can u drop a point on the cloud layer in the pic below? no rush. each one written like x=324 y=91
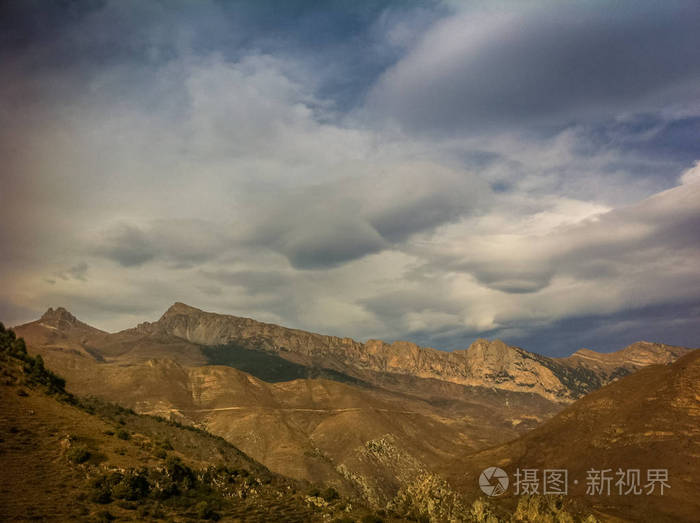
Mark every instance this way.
x=432 y=173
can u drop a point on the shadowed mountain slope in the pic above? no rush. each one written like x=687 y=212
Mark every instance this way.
x=648 y=420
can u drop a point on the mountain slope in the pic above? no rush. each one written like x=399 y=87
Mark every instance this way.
x=328 y=409
x=309 y=429
x=195 y=337
x=485 y=363
x=648 y=420
x=68 y=460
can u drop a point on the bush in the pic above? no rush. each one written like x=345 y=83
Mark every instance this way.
x=101 y=487
x=180 y=473
x=330 y=494
x=132 y=486
x=78 y=454
x=122 y=434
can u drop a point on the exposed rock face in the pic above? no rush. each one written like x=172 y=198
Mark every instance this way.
x=484 y=363
x=62 y=320
x=639 y=354
x=183 y=332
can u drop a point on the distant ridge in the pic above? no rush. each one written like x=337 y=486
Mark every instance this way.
x=486 y=363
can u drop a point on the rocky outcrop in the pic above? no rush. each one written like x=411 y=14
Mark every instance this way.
x=484 y=364
x=62 y=320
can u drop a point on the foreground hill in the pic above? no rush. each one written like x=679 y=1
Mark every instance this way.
x=314 y=429
x=67 y=460
x=648 y=420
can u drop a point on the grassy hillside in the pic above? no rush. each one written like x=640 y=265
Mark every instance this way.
x=68 y=459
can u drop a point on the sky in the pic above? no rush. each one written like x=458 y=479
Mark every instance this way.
x=418 y=170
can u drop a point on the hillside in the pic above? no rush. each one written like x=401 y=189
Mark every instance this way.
x=485 y=363
x=648 y=420
x=66 y=459
x=311 y=428
x=320 y=408
x=194 y=337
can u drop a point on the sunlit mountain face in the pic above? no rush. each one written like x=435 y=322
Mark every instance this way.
x=425 y=171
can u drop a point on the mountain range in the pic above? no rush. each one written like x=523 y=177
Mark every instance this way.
x=376 y=420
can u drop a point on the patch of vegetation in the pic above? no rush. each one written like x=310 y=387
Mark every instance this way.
x=330 y=494
x=268 y=366
x=78 y=454
x=35 y=373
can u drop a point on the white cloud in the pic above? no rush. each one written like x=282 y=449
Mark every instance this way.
x=231 y=184
x=691 y=175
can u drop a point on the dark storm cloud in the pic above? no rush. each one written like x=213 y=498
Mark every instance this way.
x=671 y=323
x=127 y=245
x=330 y=224
x=553 y=65
x=329 y=243
x=180 y=243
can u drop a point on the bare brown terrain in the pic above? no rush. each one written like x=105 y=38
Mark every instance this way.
x=68 y=460
x=648 y=420
x=384 y=422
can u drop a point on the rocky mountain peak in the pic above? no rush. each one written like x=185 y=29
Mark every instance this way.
x=488 y=348
x=59 y=318
x=178 y=308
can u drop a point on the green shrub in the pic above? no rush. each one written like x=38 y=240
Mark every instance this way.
x=180 y=473
x=132 y=486
x=78 y=454
x=122 y=434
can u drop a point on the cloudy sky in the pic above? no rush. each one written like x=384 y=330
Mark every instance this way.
x=431 y=171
